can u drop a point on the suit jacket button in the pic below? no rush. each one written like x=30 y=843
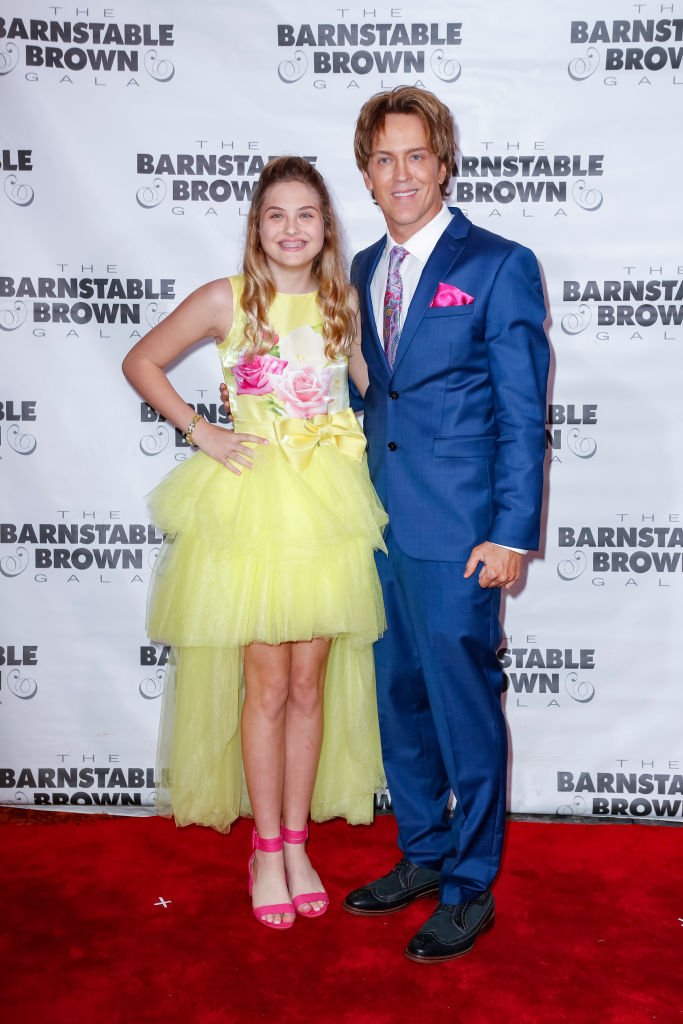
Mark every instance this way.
x=393 y=394
x=392 y=446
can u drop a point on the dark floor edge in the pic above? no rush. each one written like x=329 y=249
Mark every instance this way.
x=11 y=814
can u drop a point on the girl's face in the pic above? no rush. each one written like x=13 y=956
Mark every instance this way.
x=291 y=225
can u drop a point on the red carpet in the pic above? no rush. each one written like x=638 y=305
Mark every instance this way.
x=587 y=930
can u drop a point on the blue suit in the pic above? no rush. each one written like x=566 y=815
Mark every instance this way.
x=456 y=443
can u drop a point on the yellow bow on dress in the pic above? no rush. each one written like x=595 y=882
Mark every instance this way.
x=299 y=438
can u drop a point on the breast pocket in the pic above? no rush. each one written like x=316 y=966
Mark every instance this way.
x=449 y=311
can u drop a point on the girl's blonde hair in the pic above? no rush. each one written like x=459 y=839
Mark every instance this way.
x=328 y=266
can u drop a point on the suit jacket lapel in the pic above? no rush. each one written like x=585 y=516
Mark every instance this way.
x=375 y=348
x=446 y=251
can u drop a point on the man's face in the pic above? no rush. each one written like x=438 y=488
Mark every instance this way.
x=405 y=175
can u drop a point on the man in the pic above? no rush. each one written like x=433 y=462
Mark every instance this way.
x=452 y=324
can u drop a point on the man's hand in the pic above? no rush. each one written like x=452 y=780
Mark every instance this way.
x=501 y=566
x=225 y=399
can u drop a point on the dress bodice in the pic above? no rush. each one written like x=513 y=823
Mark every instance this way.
x=295 y=379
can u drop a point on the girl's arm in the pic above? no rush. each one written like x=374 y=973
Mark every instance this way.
x=357 y=365
x=207 y=312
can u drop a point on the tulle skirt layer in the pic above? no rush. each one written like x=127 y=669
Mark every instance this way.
x=274 y=555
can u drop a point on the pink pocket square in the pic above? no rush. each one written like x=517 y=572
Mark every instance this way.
x=449 y=295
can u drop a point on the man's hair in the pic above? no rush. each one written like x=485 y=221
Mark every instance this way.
x=406 y=99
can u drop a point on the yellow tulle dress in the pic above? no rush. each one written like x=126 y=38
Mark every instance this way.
x=283 y=552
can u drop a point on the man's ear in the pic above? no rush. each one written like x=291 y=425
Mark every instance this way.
x=368 y=184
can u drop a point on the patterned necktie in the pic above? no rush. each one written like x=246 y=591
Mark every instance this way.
x=393 y=297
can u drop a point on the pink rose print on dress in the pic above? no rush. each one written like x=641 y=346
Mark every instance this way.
x=256 y=376
x=304 y=392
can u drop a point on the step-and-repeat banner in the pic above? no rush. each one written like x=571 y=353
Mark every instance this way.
x=131 y=138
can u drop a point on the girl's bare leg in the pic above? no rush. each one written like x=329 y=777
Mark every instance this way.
x=264 y=720
x=304 y=732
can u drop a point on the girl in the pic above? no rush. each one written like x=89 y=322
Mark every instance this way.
x=266 y=586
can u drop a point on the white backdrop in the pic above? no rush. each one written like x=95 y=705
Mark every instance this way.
x=131 y=137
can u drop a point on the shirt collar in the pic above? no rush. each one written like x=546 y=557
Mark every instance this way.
x=421 y=244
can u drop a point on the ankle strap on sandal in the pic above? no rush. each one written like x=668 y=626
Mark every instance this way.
x=295 y=835
x=266 y=845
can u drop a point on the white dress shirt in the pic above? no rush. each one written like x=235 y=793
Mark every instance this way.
x=420 y=247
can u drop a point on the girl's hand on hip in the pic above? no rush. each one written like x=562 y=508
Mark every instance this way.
x=226 y=446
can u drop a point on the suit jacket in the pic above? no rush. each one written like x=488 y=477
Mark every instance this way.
x=456 y=429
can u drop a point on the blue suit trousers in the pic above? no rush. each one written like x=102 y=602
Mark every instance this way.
x=439 y=686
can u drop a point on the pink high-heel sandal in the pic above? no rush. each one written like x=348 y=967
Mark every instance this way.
x=294 y=835
x=268 y=846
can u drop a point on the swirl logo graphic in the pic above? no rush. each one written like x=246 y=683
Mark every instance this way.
x=22 y=444
x=579 y=690
x=18 y=192
x=582 y=68
x=587 y=197
x=151 y=688
x=572 y=568
x=23 y=688
x=152 y=556
x=154 y=314
x=576 y=322
x=445 y=68
x=293 y=68
x=149 y=196
x=577 y=806
x=154 y=444
x=14 y=565
x=161 y=69
x=12 y=315
x=581 y=446
x=9 y=58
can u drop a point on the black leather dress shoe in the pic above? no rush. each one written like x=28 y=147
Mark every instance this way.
x=404 y=883
x=452 y=930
